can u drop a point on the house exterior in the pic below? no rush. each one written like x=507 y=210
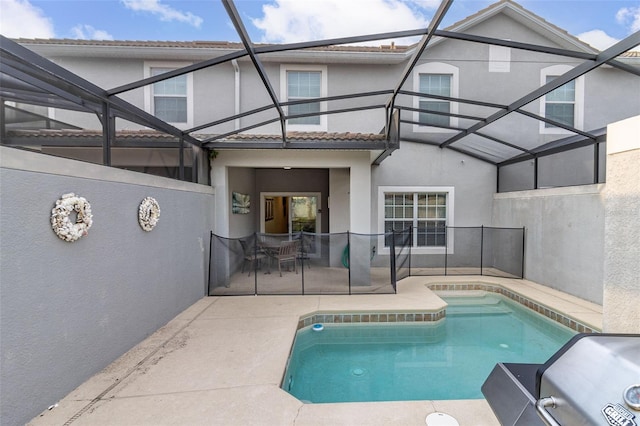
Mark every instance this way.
x=363 y=175
x=351 y=185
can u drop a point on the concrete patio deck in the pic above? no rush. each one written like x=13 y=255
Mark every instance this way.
x=221 y=362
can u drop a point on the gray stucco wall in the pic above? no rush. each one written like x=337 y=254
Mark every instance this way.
x=69 y=309
x=621 y=305
x=425 y=165
x=564 y=240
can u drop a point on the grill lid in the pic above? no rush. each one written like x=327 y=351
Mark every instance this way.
x=593 y=378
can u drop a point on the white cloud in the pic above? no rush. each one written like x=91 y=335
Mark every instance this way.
x=165 y=12
x=87 y=32
x=598 y=39
x=629 y=16
x=19 y=18
x=290 y=21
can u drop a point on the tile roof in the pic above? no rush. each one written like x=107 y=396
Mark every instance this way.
x=311 y=136
x=78 y=134
x=151 y=134
x=198 y=44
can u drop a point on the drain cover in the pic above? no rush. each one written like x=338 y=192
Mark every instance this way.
x=441 y=419
x=358 y=371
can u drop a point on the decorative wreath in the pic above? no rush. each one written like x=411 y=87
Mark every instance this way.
x=148 y=213
x=61 y=221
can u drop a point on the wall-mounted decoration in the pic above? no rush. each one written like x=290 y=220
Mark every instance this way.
x=148 y=213
x=268 y=209
x=68 y=228
x=240 y=203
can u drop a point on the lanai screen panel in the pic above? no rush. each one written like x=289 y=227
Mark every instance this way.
x=575 y=167
x=486 y=148
x=517 y=177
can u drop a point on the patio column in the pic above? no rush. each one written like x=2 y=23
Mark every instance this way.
x=621 y=301
x=360 y=223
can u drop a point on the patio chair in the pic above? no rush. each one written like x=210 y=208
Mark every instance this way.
x=251 y=255
x=303 y=254
x=288 y=252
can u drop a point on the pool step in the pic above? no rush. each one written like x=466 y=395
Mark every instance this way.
x=473 y=305
x=475 y=310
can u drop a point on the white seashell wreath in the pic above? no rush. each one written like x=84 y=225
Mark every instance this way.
x=61 y=217
x=148 y=213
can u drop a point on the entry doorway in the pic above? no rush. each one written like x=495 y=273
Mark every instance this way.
x=290 y=212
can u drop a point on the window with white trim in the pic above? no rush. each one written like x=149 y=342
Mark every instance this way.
x=302 y=82
x=564 y=104
x=440 y=79
x=429 y=210
x=435 y=84
x=561 y=103
x=170 y=100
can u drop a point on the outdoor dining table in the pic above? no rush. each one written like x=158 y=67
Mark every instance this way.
x=271 y=249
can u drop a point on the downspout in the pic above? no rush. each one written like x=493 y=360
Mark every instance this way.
x=236 y=71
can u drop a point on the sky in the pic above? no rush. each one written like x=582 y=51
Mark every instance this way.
x=600 y=23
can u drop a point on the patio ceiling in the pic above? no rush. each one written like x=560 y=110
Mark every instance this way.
x=30 y=78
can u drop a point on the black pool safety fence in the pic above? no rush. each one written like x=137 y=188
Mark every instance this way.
x=479 y=250
x=349 y=263
x=308 y=263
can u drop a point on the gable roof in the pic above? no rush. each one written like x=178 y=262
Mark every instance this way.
x=526 y=18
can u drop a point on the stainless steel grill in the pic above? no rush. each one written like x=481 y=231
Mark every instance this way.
x=594 y=379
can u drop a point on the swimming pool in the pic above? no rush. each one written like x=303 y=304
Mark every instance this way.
x=448 y=359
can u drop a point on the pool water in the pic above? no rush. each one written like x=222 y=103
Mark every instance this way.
x=449 y=359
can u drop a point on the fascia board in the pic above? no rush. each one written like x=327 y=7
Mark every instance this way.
x=324 y=57
x=200 y=54
x=524 y=17
x=125 y=52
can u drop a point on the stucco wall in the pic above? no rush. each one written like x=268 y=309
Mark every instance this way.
x=424 y=165
x=621 y=313
x=69 y=309
x=564 y=240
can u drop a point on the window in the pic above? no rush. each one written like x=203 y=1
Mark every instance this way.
x=304 y=85
x=170 y=100
x=435 y=84
x=170 y=97
x=304 y=82
x=429 y=210
x=564 y=104
x=560 y=104
x=439 y=79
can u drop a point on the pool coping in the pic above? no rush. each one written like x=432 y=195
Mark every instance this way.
x=525 y=301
